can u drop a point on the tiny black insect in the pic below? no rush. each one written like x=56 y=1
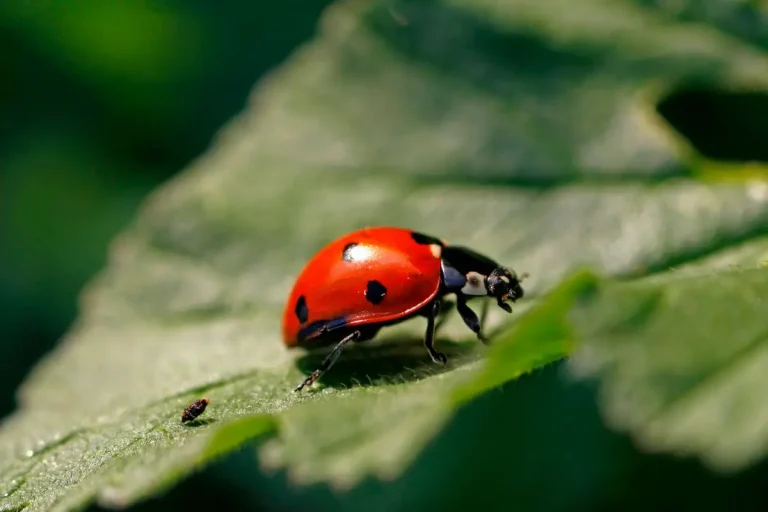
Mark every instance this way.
x=194 y=410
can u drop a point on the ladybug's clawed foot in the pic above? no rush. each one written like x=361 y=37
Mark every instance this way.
x=329 y=360
x=438 y=357
x=309 y=380
x=483 y=338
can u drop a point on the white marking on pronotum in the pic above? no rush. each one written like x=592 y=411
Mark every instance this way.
x=505 y=279
x=475 y=284
x=437 y=251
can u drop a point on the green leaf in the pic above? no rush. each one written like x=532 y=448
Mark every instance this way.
x=681 y=357
x=490 y=126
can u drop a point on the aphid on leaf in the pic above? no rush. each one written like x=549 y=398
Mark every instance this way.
x=194 y=410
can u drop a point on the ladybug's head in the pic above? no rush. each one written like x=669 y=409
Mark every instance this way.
x=504 y=285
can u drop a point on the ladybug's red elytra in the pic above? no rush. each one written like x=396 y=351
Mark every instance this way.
x=380 y=276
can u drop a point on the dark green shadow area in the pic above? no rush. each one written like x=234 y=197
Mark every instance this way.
x=727 y=126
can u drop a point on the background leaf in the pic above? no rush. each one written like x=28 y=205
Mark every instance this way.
x=681 y=358
x=387 y=117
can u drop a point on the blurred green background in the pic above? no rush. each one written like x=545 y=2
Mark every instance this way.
x=102 y=100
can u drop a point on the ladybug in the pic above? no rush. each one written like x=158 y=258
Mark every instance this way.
x=380 y=276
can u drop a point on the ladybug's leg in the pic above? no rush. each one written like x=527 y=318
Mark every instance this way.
x=445 y=308
x=329 y=360
x=429 y=339
x=484 y=316
x=470 y=318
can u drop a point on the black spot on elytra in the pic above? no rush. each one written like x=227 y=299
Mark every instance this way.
x=302 y=311
x=375 y=292
x=346 y=255
x=422 y=239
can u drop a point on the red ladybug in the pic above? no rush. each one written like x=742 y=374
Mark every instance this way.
x=380 y=276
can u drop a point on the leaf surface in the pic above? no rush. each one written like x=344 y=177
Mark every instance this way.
x=682 y=356
x=525 y=131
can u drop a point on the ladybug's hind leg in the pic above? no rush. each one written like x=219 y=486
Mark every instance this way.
x=329 y=360
x=429 y=339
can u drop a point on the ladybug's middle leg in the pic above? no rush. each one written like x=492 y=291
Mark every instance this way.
x=329 y=360
x=429 y=339
x=445 y=308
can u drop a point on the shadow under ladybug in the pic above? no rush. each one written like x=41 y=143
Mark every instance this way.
x=391 y=359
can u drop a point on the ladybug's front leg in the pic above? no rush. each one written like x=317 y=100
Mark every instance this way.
x=470 y=318
x=329 y=360
x=483 y=317
x=429 y=339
